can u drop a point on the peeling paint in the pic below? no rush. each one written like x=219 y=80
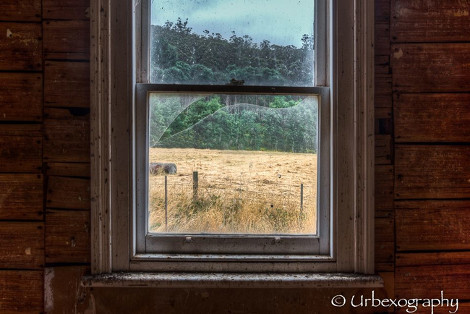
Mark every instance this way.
x=9 y=33
x=398 y=54
x=48 y=290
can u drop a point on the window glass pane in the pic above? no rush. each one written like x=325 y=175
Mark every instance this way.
x=232 y=163
x=251 y=42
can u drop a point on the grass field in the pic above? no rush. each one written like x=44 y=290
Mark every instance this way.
x=239 y=192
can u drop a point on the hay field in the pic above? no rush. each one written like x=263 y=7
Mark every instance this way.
x=238 y=192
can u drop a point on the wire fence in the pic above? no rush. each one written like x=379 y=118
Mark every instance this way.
x=174 y=192
x=197 y=186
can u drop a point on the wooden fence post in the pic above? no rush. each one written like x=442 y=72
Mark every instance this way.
x=166 y=204
x=195 y=185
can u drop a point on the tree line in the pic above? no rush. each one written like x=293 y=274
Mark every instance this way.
x=180 y=56
x=239 y=122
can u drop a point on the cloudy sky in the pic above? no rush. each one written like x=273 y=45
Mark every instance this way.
x=282 y=22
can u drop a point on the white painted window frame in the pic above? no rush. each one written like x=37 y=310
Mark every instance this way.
x=229 y=247
x=113 y=94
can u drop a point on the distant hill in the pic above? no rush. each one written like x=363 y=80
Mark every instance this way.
x=180 y=56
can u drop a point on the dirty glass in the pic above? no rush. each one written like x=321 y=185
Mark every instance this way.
x=251 y=42
x=226 y=163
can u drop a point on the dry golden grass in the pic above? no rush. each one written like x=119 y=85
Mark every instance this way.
x=239 y=192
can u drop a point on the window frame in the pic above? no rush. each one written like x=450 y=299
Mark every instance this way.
x=113 y=79
x=229 y=246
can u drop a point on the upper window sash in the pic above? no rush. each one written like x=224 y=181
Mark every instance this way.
x=145 y=242
x=321 y=44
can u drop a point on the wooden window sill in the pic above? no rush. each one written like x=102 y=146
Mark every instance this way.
x=232 y=280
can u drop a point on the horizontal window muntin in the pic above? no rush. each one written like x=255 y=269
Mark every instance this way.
x=234 y=89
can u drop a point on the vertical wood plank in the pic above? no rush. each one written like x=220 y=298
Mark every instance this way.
x=430 y=21
x=432 y=171
x=20 y=97
x=383 y=149
x=24 y=10
x=382 y=39
x=382 y=11
x=432 y=258
x=20 y=148
x=431 y=68
x=66 y=9
x=20 y=47
x=428 y=281
x=382 y=66
x=67 y=40
x=67 y=135
x=22 y=245
x=68 y=169
x=384 y=190
x=21 y=196
x=384 y=244
x=21 y=291
x=67 y=236
x=433 y=225
x=383 y=92
x=68 y=193
x=432 y=118
x=67 y=84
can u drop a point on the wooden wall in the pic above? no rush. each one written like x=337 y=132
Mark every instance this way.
x=422 y=108
x=430 y=64
x=44 y=153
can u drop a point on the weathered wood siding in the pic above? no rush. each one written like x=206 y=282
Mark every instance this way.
x=21 y=179
x=430 y=21
x=14 y=89
x=432 y=117
x=430 y=56
x=44 y=155
x=21 y=148
x=20 y=45
x=422 y=110
x=21 y=196
x=67 y=84
x=22 y=291
x=384 y=169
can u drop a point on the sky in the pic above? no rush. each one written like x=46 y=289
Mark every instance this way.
x=282 y=22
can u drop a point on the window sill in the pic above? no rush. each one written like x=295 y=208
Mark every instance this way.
x=232 y=280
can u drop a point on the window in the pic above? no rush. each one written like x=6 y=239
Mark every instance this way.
x=237 y=122
x=186 y=120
